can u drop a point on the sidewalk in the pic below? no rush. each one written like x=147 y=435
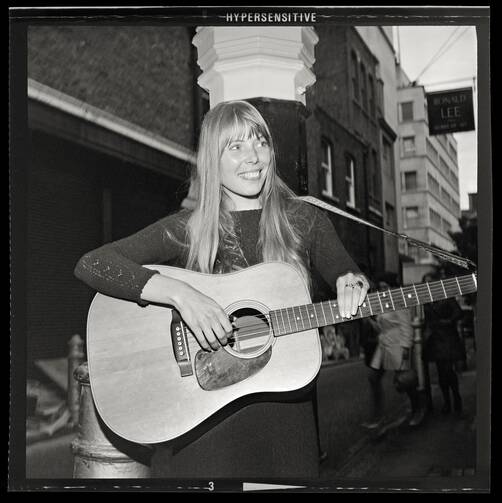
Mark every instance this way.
x=442 y=446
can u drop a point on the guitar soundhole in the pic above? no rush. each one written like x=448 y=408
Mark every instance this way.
x=252 y=332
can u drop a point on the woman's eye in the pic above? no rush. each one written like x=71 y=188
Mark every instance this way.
x=234 y=147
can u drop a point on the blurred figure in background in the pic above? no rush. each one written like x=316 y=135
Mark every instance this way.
x=392 y=352
x=333 y=344
x=442 y=345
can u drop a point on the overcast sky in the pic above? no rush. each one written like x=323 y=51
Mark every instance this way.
x=451 y=53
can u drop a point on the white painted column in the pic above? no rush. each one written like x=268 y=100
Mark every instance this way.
x=255 y=62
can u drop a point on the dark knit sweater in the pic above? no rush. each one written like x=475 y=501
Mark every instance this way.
x=259 y=436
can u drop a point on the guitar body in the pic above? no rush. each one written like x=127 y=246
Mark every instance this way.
x=136 y=382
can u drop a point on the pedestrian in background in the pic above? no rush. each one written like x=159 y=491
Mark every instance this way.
x=392 y=352
x=442 y=345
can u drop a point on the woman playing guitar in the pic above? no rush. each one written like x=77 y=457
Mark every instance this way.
x=244 y=215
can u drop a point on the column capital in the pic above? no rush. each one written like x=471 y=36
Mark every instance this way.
x=255 y=62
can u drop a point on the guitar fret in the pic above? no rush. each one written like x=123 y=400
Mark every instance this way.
x=429 y=288
x=296 y=319
x=275 y=322
x=333 y=316
x=381 y=306
x=404 y=299
x=458 y=284
x=369 y=304
x=324 y=314
x=282 y=318
x=306 y=316
x=445 y=295
x=392 y=300
x=315 y=313
x=416 y=295
x=300 y=317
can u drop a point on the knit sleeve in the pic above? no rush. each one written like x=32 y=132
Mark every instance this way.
x=116 y=268
x=328 y=254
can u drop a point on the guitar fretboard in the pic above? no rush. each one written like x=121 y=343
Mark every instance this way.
x=294 y=319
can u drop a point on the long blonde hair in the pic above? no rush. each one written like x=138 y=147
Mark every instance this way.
x=211 y=227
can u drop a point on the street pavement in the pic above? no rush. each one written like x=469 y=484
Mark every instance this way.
x=443 y=446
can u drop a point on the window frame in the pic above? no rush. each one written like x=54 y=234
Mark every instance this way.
x=350 y=196
x=327 y=169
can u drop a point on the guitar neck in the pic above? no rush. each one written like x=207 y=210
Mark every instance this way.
x=299 y=318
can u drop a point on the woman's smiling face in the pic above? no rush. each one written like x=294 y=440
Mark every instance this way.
x=244 y=165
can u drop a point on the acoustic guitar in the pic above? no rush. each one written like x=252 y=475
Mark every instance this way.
x=151 y=382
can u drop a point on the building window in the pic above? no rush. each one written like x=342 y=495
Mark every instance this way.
x=410 y=181
x=372 y=95
x=387 y=157
x=411 y=216
x=407 y=111
x=390 y=216
x=355 y=77
x=446 y=226
x=408 y=144
x=431 y=151
x=445 y=197
x=350 y=182
x=443 y=167
x=326 y=168
x=435 y=219
x=374 y=190
x=433 y=185
x=364 y=87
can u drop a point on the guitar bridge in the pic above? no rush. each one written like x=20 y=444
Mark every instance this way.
x=180 y=345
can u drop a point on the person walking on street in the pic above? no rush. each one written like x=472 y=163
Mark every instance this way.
x=393 y=352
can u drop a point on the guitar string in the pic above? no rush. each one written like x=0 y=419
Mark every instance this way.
x=439 y=289
x=435 y=289
x=266 y=332
x=265 y=318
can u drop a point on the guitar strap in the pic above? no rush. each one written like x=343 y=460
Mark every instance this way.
x=450 y=257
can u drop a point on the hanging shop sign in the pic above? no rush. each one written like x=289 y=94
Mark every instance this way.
x=450 y=111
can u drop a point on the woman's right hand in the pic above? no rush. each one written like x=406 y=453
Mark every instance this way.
x=205 y=318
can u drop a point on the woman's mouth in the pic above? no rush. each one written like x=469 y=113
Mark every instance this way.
x=251 y=175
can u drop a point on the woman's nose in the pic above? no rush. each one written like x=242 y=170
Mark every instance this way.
x=252 y=155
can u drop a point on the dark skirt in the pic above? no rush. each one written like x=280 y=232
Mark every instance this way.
x=253 y=440
x=445 y=345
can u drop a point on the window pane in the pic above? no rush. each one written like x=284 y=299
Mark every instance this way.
x=355 y=80
x=410 y=180
x=327 y=174
x=409 y=143
x=350 y=182
x=407 y=111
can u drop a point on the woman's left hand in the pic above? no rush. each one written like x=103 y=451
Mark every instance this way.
x=351 y=290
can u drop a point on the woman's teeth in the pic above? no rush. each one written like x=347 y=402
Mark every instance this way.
x=250 y=175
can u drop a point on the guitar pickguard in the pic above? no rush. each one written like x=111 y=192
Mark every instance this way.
x=218 y=369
